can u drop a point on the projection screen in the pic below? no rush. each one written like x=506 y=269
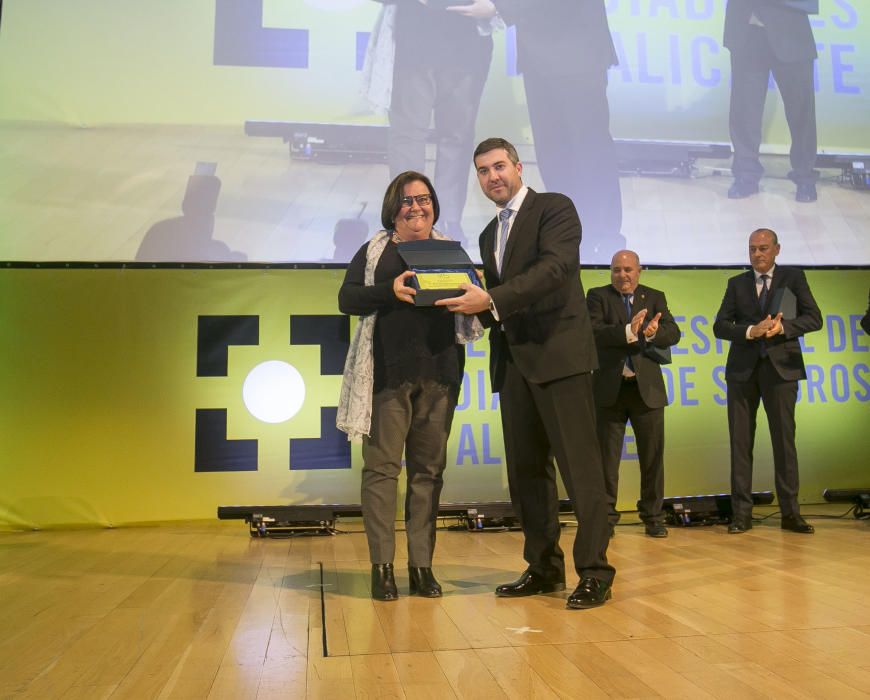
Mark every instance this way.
x=259 y=131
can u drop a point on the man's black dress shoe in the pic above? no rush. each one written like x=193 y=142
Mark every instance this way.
x=423 y=583
x=529 y=583
x=806 y=192
x=655 y=530
x=384 y=582
x=796 y=523
x=741 y=189
x=590 y=593
x=739 y=525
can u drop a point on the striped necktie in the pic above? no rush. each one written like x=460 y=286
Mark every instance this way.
x=504 y=216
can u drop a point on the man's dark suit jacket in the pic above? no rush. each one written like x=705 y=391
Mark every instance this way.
x=542 y=310
x=865 y=321
x=788 y=30
x=609 y=318
x=554 y=32
x=740 y=309
x=427 y=35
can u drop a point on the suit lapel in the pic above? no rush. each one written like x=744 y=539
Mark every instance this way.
x=516 y=230
x=779 y=279
x=487 y=253
x=751 y=290
x=618 y=305
x=640 y=300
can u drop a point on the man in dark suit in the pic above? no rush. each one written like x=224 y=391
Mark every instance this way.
x=564 y=50
x=542 y=353
x=764 y=37
x=765 y=363
x=632 y=326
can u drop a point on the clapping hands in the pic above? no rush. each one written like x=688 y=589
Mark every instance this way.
x=767 y=327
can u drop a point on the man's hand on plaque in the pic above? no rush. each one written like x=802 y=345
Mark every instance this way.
x=402 y=292
x=473 y=301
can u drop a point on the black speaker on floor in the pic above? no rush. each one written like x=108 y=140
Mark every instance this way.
x=712 y=509
x=480 y=516
x=266 y=521
x=860 y=498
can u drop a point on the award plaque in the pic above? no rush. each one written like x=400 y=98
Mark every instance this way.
x=440 y=267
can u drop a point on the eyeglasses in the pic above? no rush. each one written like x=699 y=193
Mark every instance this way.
x=421 y=199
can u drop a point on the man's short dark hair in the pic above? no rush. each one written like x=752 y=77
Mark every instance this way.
x=396 y=190
x=492 y=144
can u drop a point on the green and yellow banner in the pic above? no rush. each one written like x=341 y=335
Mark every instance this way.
x=133 y=395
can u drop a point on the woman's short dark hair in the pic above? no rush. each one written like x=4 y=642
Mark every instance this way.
x=396 y=190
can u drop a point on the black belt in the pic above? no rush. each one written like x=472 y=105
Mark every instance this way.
x=629 y=379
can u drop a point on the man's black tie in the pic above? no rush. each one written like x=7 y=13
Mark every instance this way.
x=762 y=297
x=762 y=302
x=626 y=298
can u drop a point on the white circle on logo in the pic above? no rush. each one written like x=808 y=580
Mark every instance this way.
x=273 y=391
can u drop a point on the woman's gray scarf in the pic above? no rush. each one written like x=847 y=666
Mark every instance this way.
x=355 y=405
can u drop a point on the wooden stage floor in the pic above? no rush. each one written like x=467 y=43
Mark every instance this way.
x=202 y=610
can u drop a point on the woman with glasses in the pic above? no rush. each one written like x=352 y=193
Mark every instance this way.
x=401 y=383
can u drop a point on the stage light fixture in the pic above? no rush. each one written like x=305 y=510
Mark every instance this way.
x=860 y=498
x=480 y=517
x=265 y=521
x=489 y=516
x=711 y=509
x=854 y=168
x=665 y=158
x=338 y=143
x=327 y=143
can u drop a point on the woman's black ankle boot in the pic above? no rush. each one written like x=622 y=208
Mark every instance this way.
x=423 y=583
x=384 y=582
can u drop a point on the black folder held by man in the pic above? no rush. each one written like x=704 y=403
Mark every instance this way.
x=783 y=301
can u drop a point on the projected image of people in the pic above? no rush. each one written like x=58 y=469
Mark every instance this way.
x=764 y=37
x=440 y=65
x=564 y=50
x=190 y=237
x=631 y=108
